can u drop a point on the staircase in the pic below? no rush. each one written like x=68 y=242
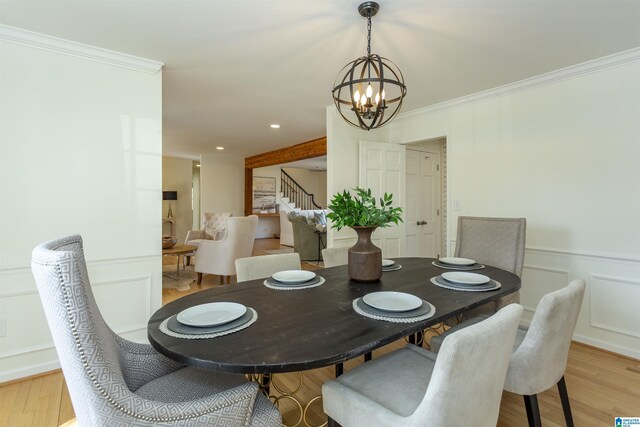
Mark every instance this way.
x=294 y=194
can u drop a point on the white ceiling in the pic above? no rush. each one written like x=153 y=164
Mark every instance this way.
x=232 y=67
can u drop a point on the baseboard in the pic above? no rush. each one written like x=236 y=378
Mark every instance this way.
x=608 y=347
x=29 y=371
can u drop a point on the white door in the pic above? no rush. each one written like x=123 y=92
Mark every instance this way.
x=382 y=169
x=423 y=201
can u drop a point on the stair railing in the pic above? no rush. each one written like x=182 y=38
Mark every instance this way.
x=296 y=194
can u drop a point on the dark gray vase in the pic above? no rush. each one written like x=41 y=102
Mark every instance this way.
x=365 y=258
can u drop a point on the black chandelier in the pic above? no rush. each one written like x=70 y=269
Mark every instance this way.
x=360 y=79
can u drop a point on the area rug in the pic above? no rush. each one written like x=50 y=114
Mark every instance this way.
x=183 y=282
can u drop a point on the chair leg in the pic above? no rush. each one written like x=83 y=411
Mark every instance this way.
x=368 y=356
x=339 y=369
x=564 y=398
x=199 y=278
x=533 y=411
x=332 y=423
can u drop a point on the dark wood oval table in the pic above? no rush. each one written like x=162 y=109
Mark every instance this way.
x=311 y=328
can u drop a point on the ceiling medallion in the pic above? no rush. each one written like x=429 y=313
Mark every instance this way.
x=354 y=88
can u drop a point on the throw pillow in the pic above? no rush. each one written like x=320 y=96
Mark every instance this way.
x=320 y=218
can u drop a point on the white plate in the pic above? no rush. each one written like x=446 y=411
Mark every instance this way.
x=392 y=301
x=212 y=314
x=456 y=261
x=294 y=276
x=466 y=278
x=387 y=262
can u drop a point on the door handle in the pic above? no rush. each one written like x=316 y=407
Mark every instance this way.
x=421 y=223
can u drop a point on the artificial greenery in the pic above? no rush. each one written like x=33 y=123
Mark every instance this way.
x=361 y=210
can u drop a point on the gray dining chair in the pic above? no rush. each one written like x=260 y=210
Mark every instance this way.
x=411 y=387
x=498 y=242
x=259 y=267
x=113 y=381
x=540 y=352
x=334 y=257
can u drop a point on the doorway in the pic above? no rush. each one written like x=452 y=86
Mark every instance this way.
x=425 y=198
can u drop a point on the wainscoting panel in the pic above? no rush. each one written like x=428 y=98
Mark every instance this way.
x=615 y=305
x=127 y=291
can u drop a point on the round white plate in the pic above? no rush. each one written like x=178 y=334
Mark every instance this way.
x=387 y=262
x=392 y=301
x=212 y=314
x=294 y=276
x=465 y=278
x=456 y=261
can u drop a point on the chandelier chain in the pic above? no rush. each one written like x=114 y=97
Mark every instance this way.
x=369 y=35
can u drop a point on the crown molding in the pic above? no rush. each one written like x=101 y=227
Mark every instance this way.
x=79 y=50
x=572 y=71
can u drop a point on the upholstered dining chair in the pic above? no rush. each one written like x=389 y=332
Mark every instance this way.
x=411 y=387
x=113 y=381
x=540 y=352
x=219 y=256
x=259 y=267
x=334 y=257
x=498 y=242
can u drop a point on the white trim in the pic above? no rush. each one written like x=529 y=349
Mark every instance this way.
x=548 y=269
x=28 y=371
x=626 y=351
x=108 y=261
x=592 y=307
x=79 y=50
x=540 y=80
x=614 y=257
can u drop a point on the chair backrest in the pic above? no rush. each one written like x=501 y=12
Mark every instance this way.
x=214 y=223
x=259 y=267
x=498 y=242
x=219 y=256
x=540 y=360
x=86 y=346
x=468 y=376
x=333 y=257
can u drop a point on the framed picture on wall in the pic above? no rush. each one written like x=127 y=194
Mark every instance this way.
x=264 y=193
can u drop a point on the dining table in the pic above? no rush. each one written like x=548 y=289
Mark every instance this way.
x=302 y=329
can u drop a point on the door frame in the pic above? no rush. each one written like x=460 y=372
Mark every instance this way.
x=446 y=172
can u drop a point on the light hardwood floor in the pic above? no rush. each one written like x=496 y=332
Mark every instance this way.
x=601 y=386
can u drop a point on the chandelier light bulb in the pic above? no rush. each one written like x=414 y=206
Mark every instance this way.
x=383 y=94
x=377 y=98
x=356 y=96
x=363 y=100
x=369 y=91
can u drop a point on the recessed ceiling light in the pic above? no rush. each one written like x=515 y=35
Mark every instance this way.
x=219 y=147
x=275 y=126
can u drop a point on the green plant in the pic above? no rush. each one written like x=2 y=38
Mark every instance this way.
x=361 y=210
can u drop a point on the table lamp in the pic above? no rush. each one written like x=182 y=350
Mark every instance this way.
x=170 y=195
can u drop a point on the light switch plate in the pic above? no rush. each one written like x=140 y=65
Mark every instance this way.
x=457 y=205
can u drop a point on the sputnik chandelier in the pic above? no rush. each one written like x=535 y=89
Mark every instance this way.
x=354 y=88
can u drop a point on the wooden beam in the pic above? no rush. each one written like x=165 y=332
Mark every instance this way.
x=305 y=150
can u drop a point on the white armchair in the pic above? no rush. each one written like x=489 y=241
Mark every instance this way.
x=219 y=256
x=213 y=228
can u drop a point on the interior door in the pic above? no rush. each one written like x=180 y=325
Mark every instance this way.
x=423 y=201
x=382 y=169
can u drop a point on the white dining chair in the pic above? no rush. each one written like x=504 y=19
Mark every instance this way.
x=259 y=267
x=116 y=382
x=219 y=256
x=334 y=257
x=540 y=352
x=411 y=387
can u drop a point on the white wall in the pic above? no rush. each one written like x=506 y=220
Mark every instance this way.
x=80 y=152
x=562 y=150
x=177 y=175
x=222 y=183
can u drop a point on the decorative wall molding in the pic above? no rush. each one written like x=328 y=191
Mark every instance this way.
x=104 y=261
x=28 y=371
x=593 y=308
x=79 y=50
x=588 y=254
x=532 y=82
